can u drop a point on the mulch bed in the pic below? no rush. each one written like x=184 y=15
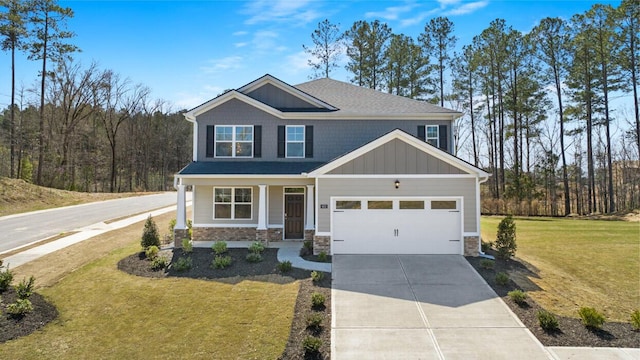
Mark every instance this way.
x=571 y=332
x=241 y=269
x=15 y=327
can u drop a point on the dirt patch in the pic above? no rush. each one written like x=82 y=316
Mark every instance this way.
x=15 y=327
x=265 y=270
x=570 y=332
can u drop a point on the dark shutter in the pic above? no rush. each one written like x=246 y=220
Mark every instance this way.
x=308 y=141
x=443 y=134
x=281 y=141
x=257 y=141
x=210 y=144
x=422 y=135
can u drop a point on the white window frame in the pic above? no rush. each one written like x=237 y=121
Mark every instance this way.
x=427 y=138
x=233 y=203
x=233 y=140
x=287 y=142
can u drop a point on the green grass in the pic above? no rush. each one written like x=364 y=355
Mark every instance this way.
x=578 y=263
x=107 y=314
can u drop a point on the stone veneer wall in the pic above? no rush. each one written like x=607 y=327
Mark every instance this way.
x=237 y=234
x=178 y=235
x=471 y=245
x=308 y=234
x=321 y=243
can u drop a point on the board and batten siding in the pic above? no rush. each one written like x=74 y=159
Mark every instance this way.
x=396 y=157
x=359 y=187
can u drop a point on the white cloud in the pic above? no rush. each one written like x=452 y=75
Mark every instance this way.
x=240 y=33
x=467 y=8
x=240 y=44
x=215 y=66
x=418 y=18
x=391 y=13
x=296 y=63
x=265 y=40
x=271 y=11
x=445 y=3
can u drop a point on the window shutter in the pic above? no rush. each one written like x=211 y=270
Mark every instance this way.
x=281 y=140
x=257 y=141
x=210 y=142
x=308 y=141
x=422 y=135
x=443 y=134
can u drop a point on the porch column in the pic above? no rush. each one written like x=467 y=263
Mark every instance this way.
x=310 y=208
x=181 y=216
x=262 y=208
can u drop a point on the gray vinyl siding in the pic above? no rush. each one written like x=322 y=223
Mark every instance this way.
x=279 y=99
x=332 y=138
x=464 y=187
x=396 y=157
x=275 y=205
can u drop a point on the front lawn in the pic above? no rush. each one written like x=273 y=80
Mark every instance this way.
x=576 y=263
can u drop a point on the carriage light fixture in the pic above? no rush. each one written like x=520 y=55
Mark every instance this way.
x=397 y=184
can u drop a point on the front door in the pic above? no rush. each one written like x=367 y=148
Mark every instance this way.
x=294 y=216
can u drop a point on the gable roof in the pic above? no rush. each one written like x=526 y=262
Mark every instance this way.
x=407 y=138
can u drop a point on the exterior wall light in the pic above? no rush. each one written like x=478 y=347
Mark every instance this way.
x=397 y=184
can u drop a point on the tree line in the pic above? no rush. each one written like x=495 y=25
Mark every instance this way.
x=90 y=129
x=536 y=105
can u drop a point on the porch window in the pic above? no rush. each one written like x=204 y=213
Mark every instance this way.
x=432 y=135
x=295 y=141
x=232 y=203
x=234 y=141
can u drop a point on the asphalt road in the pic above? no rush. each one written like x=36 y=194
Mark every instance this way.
x=22 y=229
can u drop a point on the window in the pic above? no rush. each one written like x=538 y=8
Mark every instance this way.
x=379 y=205
x=232 y=203
x=411 y=205
x=234 y=141
x=443 y=205
x=295 y=141
x=348 y=205
x=432 y=135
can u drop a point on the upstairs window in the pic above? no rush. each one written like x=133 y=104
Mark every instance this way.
x=234 y=141
x=432 y=135
x=295 y=141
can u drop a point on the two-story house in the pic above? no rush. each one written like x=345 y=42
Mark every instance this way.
x=353 y=169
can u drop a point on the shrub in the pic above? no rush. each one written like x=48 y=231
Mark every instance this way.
x=25 y=288
x=284 y=266
x=506 y=238
x=6 y=277
x=159 y=263
x=256 y=247
x=20 y=307
x=307 y=248
x=485 y=246
x=254 y=257
x=221 y=262
x=519 y=296
x=219 y=247
x=548 y=321
x=152 y=252
x=187 y=246
x=1 y=263
x=314 y=320
x=487 y=264
x=502 y=279
x=150 y=235
x=172 y=225
x=323 y=256
x=317 y=276
x=635 y=319
x=311 y=344
x=317 y=300
x=183 y=263
x=591 y=318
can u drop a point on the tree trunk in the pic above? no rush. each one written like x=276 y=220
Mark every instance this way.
x=44 y=76
x=12 y=126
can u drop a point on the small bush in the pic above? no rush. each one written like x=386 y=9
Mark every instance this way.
x=518 y=296
x=591 y=318
x=635 y=319
x=487 y=264
x=307 y=248
x=159 y=263
x=221 y=262
x=183 y=264
x=150 y=236
x=152 y=252
x=256 y=247
x=323 y=256
x=25 y=288
x=485 y=246
x=254 y=257
x=187 y=246
x=314 y=320
x=502 y=279
x=547 y=320
x=506 y=238
x=317 y=300
x=6 y=277
x=219 y=247
x=1 y=262
x=311 y=344
x=20 y=307
x=317 y=276
x=285 y=266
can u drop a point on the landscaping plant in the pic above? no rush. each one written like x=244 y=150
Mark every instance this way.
x=591 y=317
x=221 y=262
x=487 y=263
x=506 y=238
x=150 y=236
x=317 y=276
x=317 y=300
x=20 y=307
x=548 y=321
x=187 y=246
x=254 y=257
x=25 y=288
x=311 y=345
x=159 y=263
x=152 y=252
x=285 y=266
x=518 y=296
x=323 y=256
x=6 y=276
x=635 y=320
x=183 y=264
x=219 y=247
x=314 y=320
x=256 y=248
x=502 y=278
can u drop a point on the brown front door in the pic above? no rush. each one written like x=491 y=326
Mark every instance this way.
x=294 y=216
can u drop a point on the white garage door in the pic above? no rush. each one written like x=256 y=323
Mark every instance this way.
x=396 y=226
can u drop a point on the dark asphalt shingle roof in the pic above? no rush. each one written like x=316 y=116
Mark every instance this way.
x=250 y=167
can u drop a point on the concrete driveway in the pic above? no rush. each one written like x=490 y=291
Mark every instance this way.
x=421 y=307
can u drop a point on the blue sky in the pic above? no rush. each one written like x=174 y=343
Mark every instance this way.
x=189 y=51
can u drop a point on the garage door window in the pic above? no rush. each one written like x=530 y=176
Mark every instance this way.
x=411 y=205
x=443 y=205
x=348 y=205
x=379 y=205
